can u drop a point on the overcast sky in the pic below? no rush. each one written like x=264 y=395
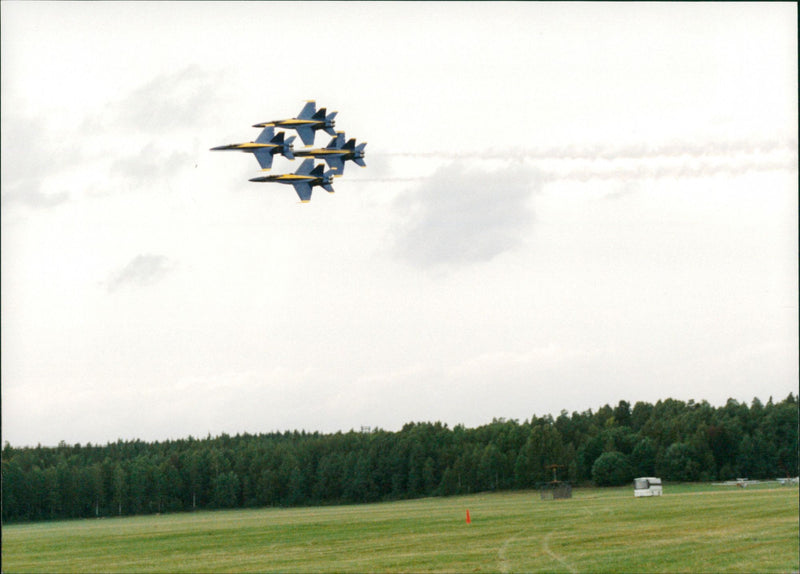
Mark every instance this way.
x=566 y=205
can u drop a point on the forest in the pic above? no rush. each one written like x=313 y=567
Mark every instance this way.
x=673 y=439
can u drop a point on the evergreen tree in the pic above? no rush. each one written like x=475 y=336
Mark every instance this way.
x=673 y=439
x=611 y=469
x=678 y=463
x=643 y=457
x=226 y=490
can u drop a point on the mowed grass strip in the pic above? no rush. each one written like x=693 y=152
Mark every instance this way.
x=692 y=528
x=724 y=530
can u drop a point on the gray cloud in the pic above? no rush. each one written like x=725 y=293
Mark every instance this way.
x=175 y=100
x=183 y=99
x=31 y=196
x=25 y=144
x=151 y=165
x=141 y=271
x=162 y=118
x=171 y=100
x=31 y=152
x=463 y=215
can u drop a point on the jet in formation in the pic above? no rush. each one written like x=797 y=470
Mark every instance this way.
x=337 y=152
x=309 y=175
x=267 y=144
x=306 y=123
x=304 y=179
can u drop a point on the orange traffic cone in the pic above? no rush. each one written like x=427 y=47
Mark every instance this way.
x=468 y=519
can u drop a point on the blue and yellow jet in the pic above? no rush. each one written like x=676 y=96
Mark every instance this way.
x=307 y=123
x=337 y=152
x=304 y=179
x=267 y=144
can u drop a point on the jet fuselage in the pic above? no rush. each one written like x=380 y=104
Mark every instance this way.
x=246 y=147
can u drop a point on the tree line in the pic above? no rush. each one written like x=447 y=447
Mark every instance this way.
x=673 y=439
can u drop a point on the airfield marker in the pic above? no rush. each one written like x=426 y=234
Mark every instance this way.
x=468 y=518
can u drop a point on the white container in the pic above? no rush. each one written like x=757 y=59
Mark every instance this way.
x=647 y=486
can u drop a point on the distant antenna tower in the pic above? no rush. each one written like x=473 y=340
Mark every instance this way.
x=556 y=488
x=554 y=468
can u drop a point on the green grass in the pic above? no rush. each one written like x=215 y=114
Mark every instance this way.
x=692 y=528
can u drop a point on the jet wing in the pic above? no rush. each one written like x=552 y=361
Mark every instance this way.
x=266 y=135
x=337 y=142
x=306 y=167
x=308 y=110
x=336 y=164
x=303 y=190
x=306 y=134
x=264 y=157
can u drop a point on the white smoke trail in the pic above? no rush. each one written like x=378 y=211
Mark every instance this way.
x=604 y=152
x=678 y=171
x=640 y=161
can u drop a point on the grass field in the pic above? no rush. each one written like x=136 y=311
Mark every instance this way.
x=692 y=528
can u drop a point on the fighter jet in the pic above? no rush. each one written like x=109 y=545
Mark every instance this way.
x=304 y=179
x=307 y=123
x=267 y=144
x=337 y=152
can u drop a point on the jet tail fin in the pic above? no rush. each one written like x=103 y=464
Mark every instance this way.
x=327 y=179
x=358 y=154
x=286 y=150
x=330 y=122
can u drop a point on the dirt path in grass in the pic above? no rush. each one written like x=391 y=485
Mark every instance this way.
x=555 y=556
x=503 y=563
